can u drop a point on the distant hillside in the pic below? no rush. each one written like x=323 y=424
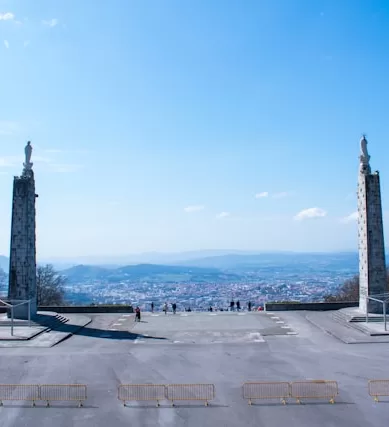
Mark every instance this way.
x=234 y=262
x=85 y=272
x=146 y=272
x=146 y=269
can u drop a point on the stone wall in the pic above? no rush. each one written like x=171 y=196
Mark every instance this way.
x=313 y=306
x=22 y=272
x=90 y=309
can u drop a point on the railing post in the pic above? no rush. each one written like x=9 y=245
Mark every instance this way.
x=385 y=315
x=12 y=321
x=367 y=309
x=29 y=313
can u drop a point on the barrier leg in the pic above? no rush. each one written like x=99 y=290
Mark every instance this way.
x=298 y=401
x=47 y=404
x=124 y=403
x=1 y=403
x=158 y=405
x=376 y=399
x=80 y=404
x=332 y=400
x=172 y=403
x=250 y=402
x=206 y=403
x=283 y=401
x=33 y=404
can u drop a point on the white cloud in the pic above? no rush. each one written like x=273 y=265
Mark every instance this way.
x=310 y=213
x=51 y=22
x=223 y=215
x=6 y=44
x=8 y=16
x=261 y=195
x=194 y=208
x=350 y=218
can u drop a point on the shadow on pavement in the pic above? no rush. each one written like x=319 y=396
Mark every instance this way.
x=98 y=333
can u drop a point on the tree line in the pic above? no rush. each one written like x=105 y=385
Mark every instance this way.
x=349 y=291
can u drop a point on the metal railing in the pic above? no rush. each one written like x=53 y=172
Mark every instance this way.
x=44 y=392
x=63 y=392
x=314 y=389
x=266 y=390
x=282 y=390
x=19 y=392
x=378 y=388
x=141 y=392
x=11 y=304
x=171 y=392
x=203 y=392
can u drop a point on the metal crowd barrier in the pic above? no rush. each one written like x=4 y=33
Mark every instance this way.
x=266 y=390
x=141 y=392
x=378 y=388
x=172 y=392
x=24 y=392
x=204 y=392
x=46 y=392
x=314 y=389
x=63 y=392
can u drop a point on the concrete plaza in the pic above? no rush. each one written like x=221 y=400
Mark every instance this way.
x=226 y=349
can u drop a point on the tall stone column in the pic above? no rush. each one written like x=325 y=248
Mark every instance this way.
x=22 y=266
x=372 y=267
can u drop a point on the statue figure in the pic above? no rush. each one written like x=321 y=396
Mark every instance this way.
x=28 y=151
x=364 y=157
x=364 y=152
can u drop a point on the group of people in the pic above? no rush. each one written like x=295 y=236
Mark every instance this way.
x=165 y=308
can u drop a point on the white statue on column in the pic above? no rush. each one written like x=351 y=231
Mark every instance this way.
x=28 y=151
x=364 y=157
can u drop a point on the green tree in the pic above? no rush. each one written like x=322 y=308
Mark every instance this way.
x=50 y=286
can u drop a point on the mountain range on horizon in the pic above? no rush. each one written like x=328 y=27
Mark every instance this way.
x=217 y=259
x=178 y=263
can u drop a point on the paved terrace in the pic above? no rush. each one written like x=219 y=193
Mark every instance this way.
x=223 y=348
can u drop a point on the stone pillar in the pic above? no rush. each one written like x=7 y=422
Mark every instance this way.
x=22 y=266
x=372 y=266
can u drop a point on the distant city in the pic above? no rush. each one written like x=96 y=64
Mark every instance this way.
x=211 y=281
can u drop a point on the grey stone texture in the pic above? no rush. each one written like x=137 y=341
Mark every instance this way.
x=372 y=268
x=22 y=271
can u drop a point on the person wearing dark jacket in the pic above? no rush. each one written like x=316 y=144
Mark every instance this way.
x=137 y=314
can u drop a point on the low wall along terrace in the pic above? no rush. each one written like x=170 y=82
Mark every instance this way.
x=89 y=309
x=313 y=306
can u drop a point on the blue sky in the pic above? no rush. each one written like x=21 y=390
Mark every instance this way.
x=156 y=125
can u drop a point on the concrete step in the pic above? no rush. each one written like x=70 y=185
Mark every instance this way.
x=342 y=317
x=48 y=321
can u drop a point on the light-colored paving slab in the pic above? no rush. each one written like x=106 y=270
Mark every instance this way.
x=20 y=332
x=53 y=336
x=104 y=363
